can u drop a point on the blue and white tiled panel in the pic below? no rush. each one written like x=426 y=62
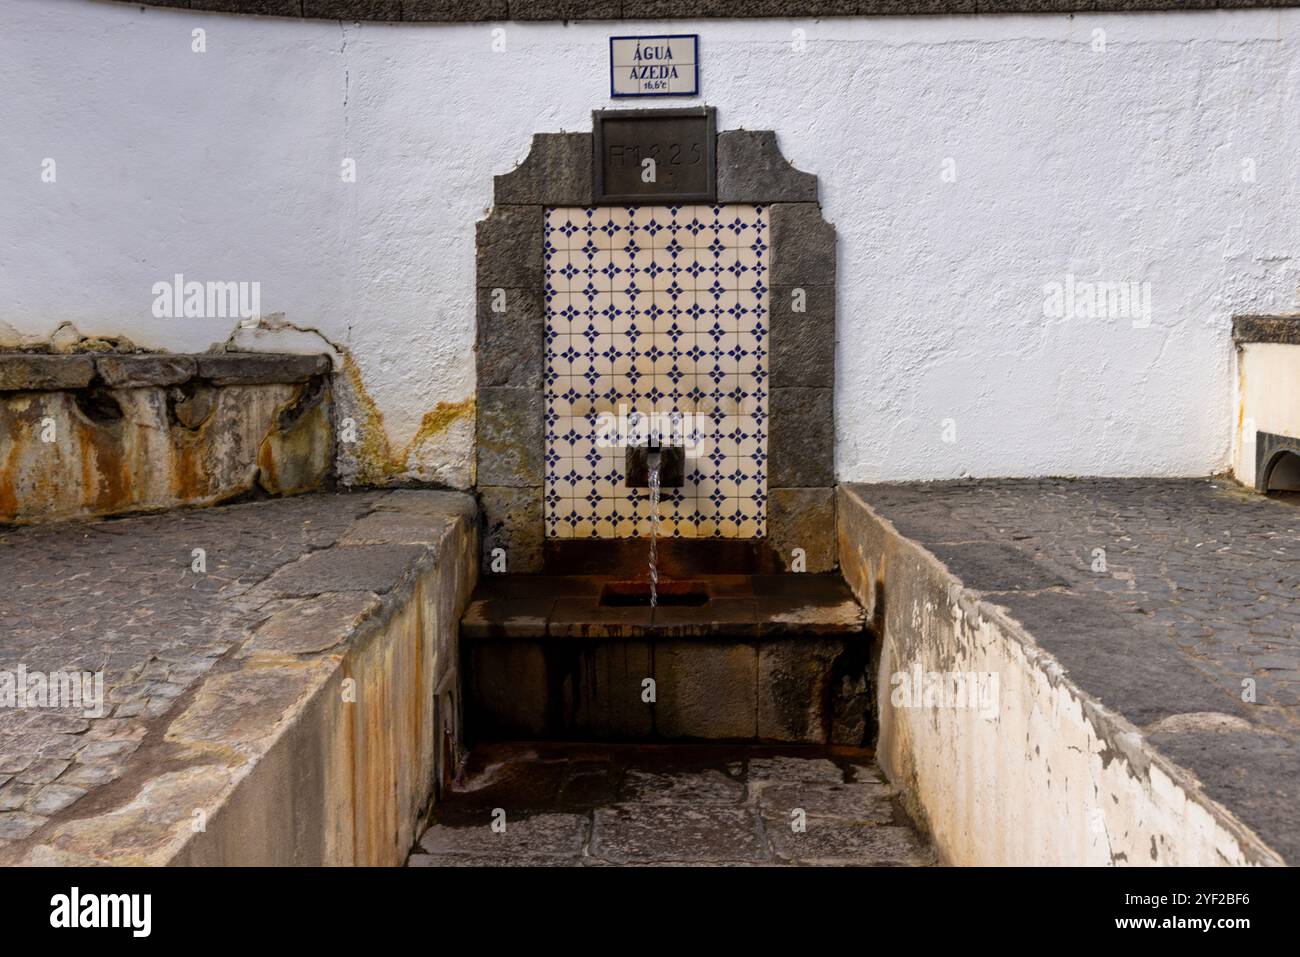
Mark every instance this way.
x=659 y=315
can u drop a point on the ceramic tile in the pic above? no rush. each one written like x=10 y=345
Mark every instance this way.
x=656 y=310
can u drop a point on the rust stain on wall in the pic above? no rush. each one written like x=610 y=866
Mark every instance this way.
x=442 y=416
x=376 y=460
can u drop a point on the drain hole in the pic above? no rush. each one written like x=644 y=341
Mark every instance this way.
x=99 y=406
x=637 y=594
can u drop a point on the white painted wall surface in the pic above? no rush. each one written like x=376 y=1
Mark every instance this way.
x=1119 y=166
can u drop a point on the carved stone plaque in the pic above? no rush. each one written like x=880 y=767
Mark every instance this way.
x=655 y=156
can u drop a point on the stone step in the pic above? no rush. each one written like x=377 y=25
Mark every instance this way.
x=781 y=658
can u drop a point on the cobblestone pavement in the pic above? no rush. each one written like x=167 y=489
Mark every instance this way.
x=588 y=805
x=1176 y=602
x=122 y=596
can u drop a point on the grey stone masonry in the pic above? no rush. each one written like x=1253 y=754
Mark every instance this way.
x=510 y=247
x=802 y=343
x=511 y=334
x=280 y=579
x=751 y=169
x=803 y=246
x=556 y=172
x=254 y=368
x=585 y=805
x=801 y=444
x=22 y=372
x=511 y=338
x=509 y=439
x=512 y=521
x=35 y=372
x=477 y=11
x=1280 y=329
x=133 y=372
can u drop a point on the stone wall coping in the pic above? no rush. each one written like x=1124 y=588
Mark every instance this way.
x=477 y=11
x=1280 y=329
x=379 y=577
x=46 y=372
x=908 y=541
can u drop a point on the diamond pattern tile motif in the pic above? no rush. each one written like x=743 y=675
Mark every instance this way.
x=656 y=324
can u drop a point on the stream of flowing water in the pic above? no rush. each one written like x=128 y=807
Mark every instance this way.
x=652 y=467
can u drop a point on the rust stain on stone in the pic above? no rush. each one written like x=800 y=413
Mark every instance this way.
x=8 y=494
x=106 y=480
x=266 y=463
x=186 y=478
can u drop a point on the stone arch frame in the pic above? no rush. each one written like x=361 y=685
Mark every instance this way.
x=1272 y=451
x=510 y=354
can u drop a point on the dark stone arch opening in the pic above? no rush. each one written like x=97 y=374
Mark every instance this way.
x=1282 y=477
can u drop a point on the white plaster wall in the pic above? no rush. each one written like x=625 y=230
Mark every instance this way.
x=1268 y=396
x=1122 y=165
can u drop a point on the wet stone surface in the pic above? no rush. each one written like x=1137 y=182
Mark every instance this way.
x=636 y=805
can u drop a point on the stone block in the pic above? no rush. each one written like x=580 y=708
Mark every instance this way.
x=392 y=527
x=801 y=447
x=803 y=246
x=347 y=568
x=751 y=169
x=256 y=368
x=135 y=372
x=510 y=424
x=792 y=690
x=802 y=343
x=510 y=248
x=511 y=338
x=705 y=690
x=556 y=172
x=315 y=625
x=608 y=700
x=24 y=372
x=1279 y=329
x=802 y=518
x=507 y=690
x=512 y=520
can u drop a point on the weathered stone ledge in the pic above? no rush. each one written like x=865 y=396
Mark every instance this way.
x=473 y=11
x=1102 y=743
x=294 y=704
x=1284 y=330
x=42 y=372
